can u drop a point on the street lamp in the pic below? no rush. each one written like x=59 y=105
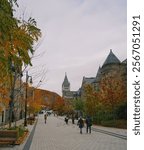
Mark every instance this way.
x=26 y=96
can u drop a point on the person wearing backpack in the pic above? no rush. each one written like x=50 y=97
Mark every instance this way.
x=80 y=124
x=88 y=124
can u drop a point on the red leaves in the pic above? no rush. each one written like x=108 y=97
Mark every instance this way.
x=112 y=90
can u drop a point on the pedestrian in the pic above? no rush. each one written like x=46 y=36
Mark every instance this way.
x=88 y=124
x=66 y=119
x=73 y=119
x=45 y=118
x=80 y=124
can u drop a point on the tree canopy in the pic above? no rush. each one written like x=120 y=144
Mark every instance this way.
x=17 y=38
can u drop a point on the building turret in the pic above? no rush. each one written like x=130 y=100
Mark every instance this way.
x=65 y=85
x=111 y=59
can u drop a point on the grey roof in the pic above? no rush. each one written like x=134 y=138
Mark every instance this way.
x=98 y=75
x=125 y=61
x=111 y=58
x=66 y=82
x=88 y=80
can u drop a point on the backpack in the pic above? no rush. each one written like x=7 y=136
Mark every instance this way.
x=89 y=121
x=81 y=123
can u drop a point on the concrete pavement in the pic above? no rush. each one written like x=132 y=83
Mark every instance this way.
x=56 y=135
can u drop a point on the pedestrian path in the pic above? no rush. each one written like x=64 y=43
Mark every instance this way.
x=56 y=135
x=122 y=132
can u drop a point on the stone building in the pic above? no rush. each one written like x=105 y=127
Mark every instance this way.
x=112 y=65
x=66 y=93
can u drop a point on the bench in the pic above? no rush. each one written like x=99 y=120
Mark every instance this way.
x=30 y=120
x=8 y=136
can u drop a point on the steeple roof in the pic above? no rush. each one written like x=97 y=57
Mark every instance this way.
x=98 y=74
x=66 y=82
x=111 y=58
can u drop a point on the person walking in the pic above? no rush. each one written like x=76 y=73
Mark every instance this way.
x=45 y=118
x=80 y=124
x=66 y=119
x=88 y=124
x=73 y=122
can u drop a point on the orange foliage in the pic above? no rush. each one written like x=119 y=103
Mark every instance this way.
x=42 y=98
x=92 y=103
x=4 y=97
x=34 y=100
x=113 y=90
x=59 y=104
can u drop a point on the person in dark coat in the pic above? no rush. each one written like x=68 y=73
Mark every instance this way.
x=45 y=118
x=73 y=119
x=88 y=124
x=66 y=119
x=80 y=124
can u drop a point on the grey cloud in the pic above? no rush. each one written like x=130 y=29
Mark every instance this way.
x=77 y=37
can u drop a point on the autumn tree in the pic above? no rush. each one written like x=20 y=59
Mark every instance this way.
x=35 y=100
x=113 y=91
x=79 y=104
x=93 y=105
x=58 y=105
x=4 y=91
x=17 y=38
x=68 y=107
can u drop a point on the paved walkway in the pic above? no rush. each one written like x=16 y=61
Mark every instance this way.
x=56 y=135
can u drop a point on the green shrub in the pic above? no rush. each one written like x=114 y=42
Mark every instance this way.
x=115 y=123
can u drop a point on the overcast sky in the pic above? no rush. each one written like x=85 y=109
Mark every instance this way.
x=77 y=36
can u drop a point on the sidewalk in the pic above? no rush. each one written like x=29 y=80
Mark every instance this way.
x=109 y=129
x=56 y=135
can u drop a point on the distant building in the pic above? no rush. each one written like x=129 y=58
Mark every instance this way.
x=86 y=81
x=66 y=93
x=111 y=65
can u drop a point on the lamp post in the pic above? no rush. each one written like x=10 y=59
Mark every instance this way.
x=26 y=96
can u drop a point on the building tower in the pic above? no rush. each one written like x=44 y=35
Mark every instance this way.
x=111 y=59
x=65 y=86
